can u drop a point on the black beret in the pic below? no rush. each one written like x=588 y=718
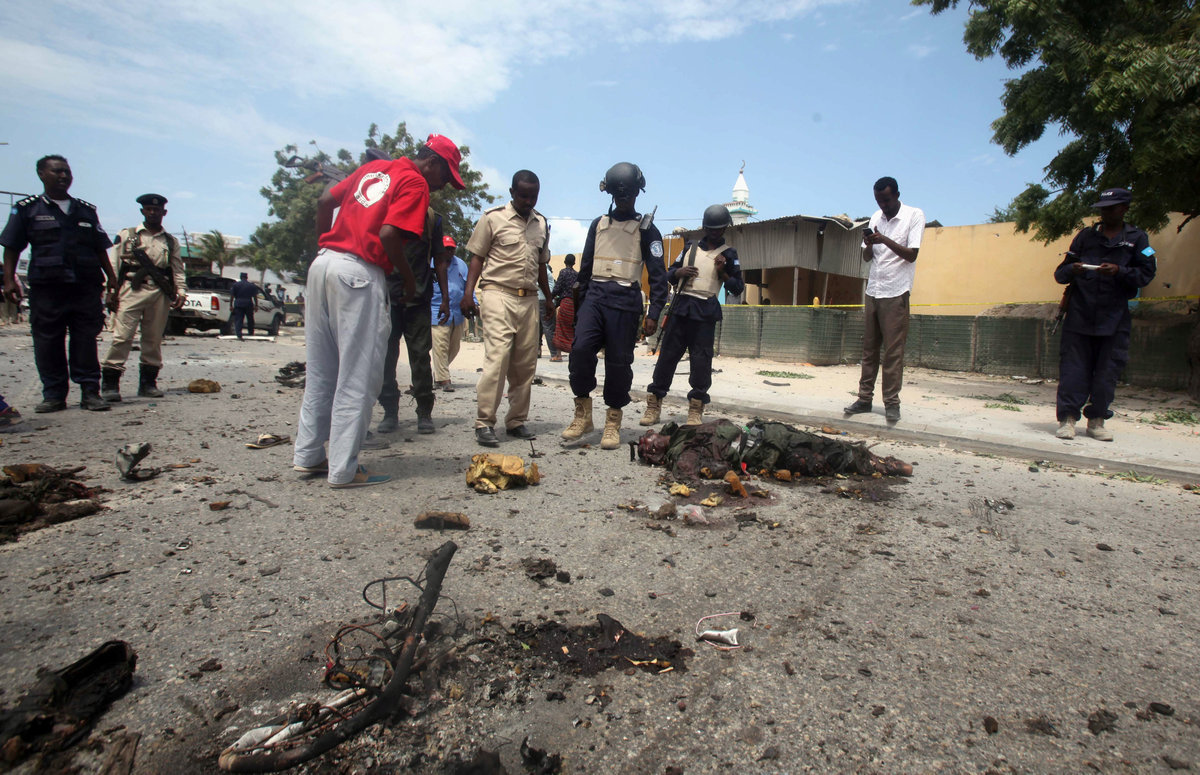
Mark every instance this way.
x=152 y=199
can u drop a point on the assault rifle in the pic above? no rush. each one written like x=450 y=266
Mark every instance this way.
x=147 y=270
x=321 y=170
x=1065 y=301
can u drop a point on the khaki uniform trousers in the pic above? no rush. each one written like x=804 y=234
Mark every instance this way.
x=147 y=308
x=511 y=330
x=446 y=341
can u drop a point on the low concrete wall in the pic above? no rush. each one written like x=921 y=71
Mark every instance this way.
x=988 y=345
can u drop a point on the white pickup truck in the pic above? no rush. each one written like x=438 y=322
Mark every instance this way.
x=209 y=305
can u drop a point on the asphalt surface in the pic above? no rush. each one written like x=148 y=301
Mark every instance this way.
x=949 y=409
x=886 y=619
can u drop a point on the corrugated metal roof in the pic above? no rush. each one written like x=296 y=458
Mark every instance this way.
x=822 y=243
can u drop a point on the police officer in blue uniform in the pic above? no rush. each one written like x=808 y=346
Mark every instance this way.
x=618 y=245
x=244 y=299
x=699 y=273
x=68 y=269
x=1105 y=266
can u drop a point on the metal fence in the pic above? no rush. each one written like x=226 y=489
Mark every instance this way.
x=990 y=345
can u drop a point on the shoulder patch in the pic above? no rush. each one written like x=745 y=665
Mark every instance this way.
x=656 y=249
x=26 y=201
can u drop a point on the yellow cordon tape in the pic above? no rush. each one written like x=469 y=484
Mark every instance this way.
x=959 y=303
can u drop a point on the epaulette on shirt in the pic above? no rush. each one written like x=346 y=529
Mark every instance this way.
x=26 y=201
x=495 y=209
x=86 y=204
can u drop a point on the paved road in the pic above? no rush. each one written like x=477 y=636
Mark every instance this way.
x=890 y=618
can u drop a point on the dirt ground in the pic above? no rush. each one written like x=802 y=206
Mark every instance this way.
x=985 y=615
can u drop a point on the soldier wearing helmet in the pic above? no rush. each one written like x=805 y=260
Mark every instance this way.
x=618 y=246
x=698 y=274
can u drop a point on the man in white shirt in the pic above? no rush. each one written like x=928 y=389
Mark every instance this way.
x=890 y=242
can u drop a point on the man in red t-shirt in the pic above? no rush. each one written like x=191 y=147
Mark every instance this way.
x=379 y=209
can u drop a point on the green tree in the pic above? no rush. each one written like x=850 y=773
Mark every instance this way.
x=254 y=255
x=214 y=250
x=289 y=243
x=1120 y=79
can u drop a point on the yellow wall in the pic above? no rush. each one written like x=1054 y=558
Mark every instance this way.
x=970 y=269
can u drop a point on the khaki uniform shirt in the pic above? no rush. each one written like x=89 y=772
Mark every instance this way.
x=512 y=248
x=163 y=252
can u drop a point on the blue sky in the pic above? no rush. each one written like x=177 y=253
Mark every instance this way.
x=818 y=97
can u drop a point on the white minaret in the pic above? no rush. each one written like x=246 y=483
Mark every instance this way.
x=740 y=208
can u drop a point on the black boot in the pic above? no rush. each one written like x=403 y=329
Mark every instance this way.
x=110 y=385
x=146 y=382
x=425 y=416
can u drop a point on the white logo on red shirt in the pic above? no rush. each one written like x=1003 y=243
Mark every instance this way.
x=372 y=187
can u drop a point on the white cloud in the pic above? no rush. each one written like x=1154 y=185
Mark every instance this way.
x=497 y=182
x=224 y=58
x=920 y=52
x=567 y=235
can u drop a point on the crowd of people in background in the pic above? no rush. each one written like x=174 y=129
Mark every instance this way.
x=385 y=271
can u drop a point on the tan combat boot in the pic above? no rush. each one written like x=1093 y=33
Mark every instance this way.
x=653 y=410
x=1096 y=429
x=695 y=412
x=612 y=429
x=583 y=419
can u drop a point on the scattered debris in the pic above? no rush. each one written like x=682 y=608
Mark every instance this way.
x=666 y=511
x=442 y=520
x=219 y=505
x=712 y=501
x=725 y=640
x=204 y=386
x=1161 y=708
x=680 y=489
x=1102 y=721
x=541 y=762
x=128 y=458
x=491 y=472
x=991 y=725
x=372 y=681
x=714 y=448
x=735 y=485
x=1041 y=725
x=60 y=709
x=539 y=568
x=36 y=495
x=591 y=649
x=292 y=375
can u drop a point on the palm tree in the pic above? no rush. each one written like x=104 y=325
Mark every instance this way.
x=214 y=250
x=254 y=254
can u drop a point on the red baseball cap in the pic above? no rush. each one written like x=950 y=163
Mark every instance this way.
x=443 y=146
x=448 y=241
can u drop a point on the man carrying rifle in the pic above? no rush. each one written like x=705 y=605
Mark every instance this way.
x=698 y=274
x=150 y=280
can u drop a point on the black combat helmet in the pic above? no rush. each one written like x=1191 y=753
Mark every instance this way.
x=717 y=217
x=623 y=179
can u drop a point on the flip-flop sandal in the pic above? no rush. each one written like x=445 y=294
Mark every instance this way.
x=267 y=440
